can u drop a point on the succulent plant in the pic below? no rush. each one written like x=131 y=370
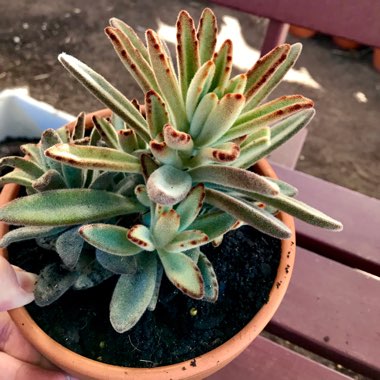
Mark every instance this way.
x=181 y=160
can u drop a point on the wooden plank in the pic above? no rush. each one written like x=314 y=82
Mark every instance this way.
x=336 y=17
x=358 y=245
x=264 y=360
x=334 y=311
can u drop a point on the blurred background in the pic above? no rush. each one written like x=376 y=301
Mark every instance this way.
x=343 y=142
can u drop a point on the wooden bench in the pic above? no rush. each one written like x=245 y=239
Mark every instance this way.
x=332 y=306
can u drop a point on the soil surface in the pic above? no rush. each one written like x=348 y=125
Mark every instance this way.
x=246 y=265
x=344 y=138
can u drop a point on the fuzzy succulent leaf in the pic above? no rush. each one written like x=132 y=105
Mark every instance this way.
x=168 y=185
x=187 y=51
x=187 y=240
x=220 y=119
x=214 y=224
x=209 y=277
x=52 y=283
x=29 y=232
x=177 y=140
x=74 y=177
x=236 y=84
x=106 y=131
x=285 y=188
x=234 y=178
x=282 y=62
x=22 y=164
x=156 y=113
x=198 y=87
x=69 y=246
x=127 y=140
x=18 y=176
x=66 y=207
x=132 y=59
x=202 y=112
x=79 y=127
x=154 y=300
x=33 y=151
x=183 y=273
x=280 y=133
x=50 y=180
x=49 y=138
x=190 y=207
x=166 y=227
x=206 y=34
x=221 y=153
x=132 y=294
x=164 y=154
x=166 y=80
x=148 y=166
x=103 y=181
x=301 y=211
x=193 y=254
x=223 y=65
x=142 y=195
x=131 y=34
x=106 y=93
x=109 y=238
x=91 y=157
x=93 y=274
x=140 y=236
x=267 y=114
x=117 y=264
x=249 y=214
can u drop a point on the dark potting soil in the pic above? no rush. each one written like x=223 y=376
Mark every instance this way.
x=180 y=328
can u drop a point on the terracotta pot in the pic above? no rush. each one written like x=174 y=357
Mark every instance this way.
x=345 y=43
x=376 y=58
x=300 y=32
x=206 y=364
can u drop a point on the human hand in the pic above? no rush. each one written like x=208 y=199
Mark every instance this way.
x=19 y=360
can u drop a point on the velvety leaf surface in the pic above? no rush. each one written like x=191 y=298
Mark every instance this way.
x=209 y=278
x=132 y=294
x=65 y=207
x=165 y=228
x=109 y=238
x=183 y=273
x=69 y=246
x=187 y=240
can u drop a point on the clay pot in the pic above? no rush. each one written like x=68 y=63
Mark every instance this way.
x=300 y=32
x=345 y=43
x=206 y=364
x=376 y=59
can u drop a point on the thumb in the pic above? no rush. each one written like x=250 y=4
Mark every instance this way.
x=16 y=286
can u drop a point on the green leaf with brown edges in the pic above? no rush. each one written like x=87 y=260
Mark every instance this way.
x=220 y=119
x=206 y=33
x=66 y=207
x=106 y=93
x=209 y=278
x=107 y=132
x=223 y=65
x=249 y=214
x=133 y=293
x=198 y=87
x=189 y=208
x=187 y=240
x=183 y=273
x=187 y=51
x=165 y=228
x=156 y=113
x=266 y=86
x=132 y=59
x=109 y=238
x=140 y=236
x=91 y=157
x=166 y=80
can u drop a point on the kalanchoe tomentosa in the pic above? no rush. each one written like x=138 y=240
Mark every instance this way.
x=185 y=152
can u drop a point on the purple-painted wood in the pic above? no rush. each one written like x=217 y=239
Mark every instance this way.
x=358 y=245
x=358 y=21
x=275 y=35
x=264 y=360
x=332 y=310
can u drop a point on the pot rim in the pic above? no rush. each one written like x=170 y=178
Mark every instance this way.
x=205 y=364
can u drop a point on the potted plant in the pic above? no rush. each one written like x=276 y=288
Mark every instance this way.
x=127 y=196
